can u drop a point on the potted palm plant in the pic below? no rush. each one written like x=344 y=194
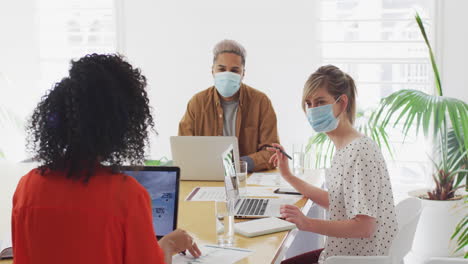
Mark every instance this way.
x=445 y=121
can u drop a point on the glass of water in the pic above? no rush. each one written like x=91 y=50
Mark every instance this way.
x=224 y=213
x=242 y=176
x=298 y=159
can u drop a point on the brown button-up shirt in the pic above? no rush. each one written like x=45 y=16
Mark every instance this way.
x=255 y=123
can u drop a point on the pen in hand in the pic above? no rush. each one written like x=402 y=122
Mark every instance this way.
x=284 y=153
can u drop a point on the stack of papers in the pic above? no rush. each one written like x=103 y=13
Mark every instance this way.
x=219 y=193
x=214 y=254
x=315 y=177
x=267 y=179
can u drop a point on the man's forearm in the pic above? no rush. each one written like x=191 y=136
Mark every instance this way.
x=260 y=159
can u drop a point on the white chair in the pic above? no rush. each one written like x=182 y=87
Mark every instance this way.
x=407 y=213
x=446 y=261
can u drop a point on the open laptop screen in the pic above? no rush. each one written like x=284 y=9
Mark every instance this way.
x=162 y=184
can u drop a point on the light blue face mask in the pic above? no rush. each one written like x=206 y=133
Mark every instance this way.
x=227 y=83
x=322 y=119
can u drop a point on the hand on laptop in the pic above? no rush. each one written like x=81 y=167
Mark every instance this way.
x=178 y=241
x=280 y=160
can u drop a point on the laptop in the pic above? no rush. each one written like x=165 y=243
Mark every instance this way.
x=162 y=184
x=246 y=207
x=199 y=158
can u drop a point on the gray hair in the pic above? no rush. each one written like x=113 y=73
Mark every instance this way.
x=229 y=46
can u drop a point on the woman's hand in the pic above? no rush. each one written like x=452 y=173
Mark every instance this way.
x=279 y=160
x=292 y=214
x=179 y=241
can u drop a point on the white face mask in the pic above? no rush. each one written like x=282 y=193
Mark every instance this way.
x=322 y=119
x=227 y=83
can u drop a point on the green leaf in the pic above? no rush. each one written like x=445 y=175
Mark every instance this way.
x=418 y=109
x=431 y=54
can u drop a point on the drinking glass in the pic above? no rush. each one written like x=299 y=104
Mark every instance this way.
x=298 y=159
x=242 y=176
x=224 y=213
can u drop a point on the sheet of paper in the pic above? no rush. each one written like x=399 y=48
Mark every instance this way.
x=315 y=177
x=269 y=192
x=219 y=193
x=267 y=179
x=214 y=254
x=207 y=194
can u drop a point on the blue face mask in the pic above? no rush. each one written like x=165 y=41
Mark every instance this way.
x=322 y=119
x=227 y=83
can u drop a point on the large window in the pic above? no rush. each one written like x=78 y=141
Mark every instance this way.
x=53 y=32
x=376 y=41
x=379 y=44
x=71 y=29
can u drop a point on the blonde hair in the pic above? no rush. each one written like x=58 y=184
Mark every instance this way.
x=229 y=46
x=336 y=82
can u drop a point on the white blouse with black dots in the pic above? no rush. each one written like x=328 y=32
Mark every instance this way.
x=358 y=184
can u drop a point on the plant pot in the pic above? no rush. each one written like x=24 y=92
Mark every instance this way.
x=436 y=225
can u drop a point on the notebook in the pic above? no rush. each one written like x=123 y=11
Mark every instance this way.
x=262 y=226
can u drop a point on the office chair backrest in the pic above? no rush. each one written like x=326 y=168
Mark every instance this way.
x=407 y=213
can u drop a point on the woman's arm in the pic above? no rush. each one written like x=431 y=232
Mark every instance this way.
x=317 y=195
x=140 y=241
x=361 y=226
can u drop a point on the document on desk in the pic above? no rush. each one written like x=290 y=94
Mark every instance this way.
x=214 y=254
x=200 y=194
x=219 y=193
x=267 y=179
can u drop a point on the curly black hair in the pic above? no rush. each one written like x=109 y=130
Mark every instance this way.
x=100 y=113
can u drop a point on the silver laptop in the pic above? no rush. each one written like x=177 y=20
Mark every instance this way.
x=246 y=207
x=199 y=158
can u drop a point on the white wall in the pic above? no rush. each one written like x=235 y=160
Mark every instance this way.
x=19 y=51
x=453 y=50
x=19 y=71
x=172 y=42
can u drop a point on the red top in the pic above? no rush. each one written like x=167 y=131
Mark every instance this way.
x=60 y=220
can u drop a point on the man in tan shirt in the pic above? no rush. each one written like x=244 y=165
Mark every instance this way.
x=232 y=108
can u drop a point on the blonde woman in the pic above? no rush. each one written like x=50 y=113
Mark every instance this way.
x=361 y=215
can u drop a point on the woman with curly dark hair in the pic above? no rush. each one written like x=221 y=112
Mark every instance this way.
x=76 y=207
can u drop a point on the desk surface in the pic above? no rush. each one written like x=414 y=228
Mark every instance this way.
x=198 y=219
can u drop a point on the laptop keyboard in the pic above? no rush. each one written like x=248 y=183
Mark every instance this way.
x=253 y=207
